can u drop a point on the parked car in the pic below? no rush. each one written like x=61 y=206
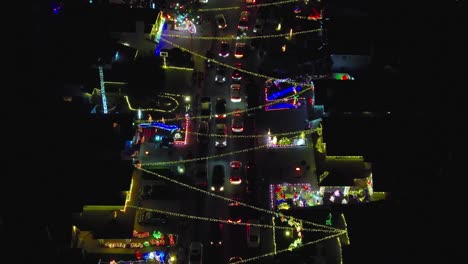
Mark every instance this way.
x=235 y=93
x=258 y=27
x=216 y=234
x=210 y=56
x=217 y=179
x=237 y=123
x=224 y=49
x=195 y=252
x=234 y=259
x=220 y=76
x=234 y=214
x=152 y=218
x=221 y=135
x=221 y=109
x=236 y=75
x=201 y=179
x=205 y=107
x=239 y=51
x=253 y=233
x=244 y=21
x=221 y=21
x=203 y=130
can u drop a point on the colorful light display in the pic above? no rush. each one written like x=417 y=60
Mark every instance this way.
x=287 y=92
x=273 y=141
x=285 y=196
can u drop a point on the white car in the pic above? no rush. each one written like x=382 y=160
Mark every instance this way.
x=253 y=234
x=195 y=253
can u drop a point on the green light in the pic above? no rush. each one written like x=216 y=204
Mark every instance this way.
x=329 y=220
x=157 y=234
x=342 y=76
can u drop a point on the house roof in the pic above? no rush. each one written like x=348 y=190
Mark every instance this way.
x=342 y=172
x=352 y=96
x=365 y=135
x=104 y=224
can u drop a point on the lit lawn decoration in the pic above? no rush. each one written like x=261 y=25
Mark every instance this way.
x=286 y=142
x=297 y=234
x=157 y=238
x=158 y=130
x=285 y=196
x=159 y=256
x=285 y=93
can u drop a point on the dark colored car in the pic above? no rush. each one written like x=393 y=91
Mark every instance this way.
x=220 y=76
x=251 y=176
x=221 y=21
x=209 y=62
x=224 y=50
x=217 y=181
x=216 y=234
x=235 y=214
x=220 y=108
x=167 y=142
x=152 y=218
x=236 y=75
x=205 y=107
x=204 y=130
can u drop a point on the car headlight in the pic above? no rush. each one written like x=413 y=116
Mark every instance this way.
x=224 y=79
x=212 y=188
x=222 y=188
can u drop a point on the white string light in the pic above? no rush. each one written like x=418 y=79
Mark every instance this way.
x=209 y=219
x=232 y=37
x=248 y=6
x=288 y=249
x=330 y=229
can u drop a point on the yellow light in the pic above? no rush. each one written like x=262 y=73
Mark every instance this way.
x=172 y=258
x=146 y=152
x=287 y=233
x=278 y=28
x=187 y=99
x=177 y=68
x=283 y=48
x=232 y=37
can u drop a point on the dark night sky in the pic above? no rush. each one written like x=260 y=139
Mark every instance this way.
x=428 y=40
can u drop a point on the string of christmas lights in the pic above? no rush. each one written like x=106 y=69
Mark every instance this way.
x=153 y=109
x=274 y=234
x=234 y=201
x=307 y=87
x=306 y=132
x=209 y=219
x=248 y=6
x=232 y=37
x=160 y=163
x=220 y=63
x=287 y=249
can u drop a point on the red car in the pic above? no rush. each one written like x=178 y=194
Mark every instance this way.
x=237 y=123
